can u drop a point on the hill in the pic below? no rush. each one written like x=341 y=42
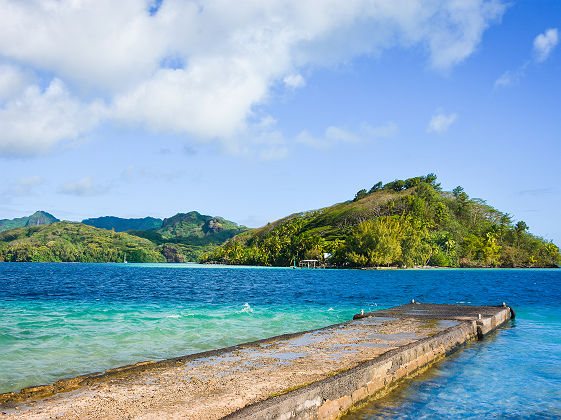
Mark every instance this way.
x=403 y=223
x=36 y=219
x=183 y=237
x=75 y=242
x=189 y=235
x=119 y=224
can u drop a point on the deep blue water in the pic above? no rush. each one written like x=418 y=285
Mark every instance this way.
x=60 y=320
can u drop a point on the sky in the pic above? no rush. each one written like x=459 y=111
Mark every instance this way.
x=253 y=110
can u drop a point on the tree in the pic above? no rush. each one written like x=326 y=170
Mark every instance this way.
x=396 y=185
x=457 y=191
x=412 y=182
x=377 y=187
x=375 y=242
x=360 y=195
x=430 y=179
x=521 y=227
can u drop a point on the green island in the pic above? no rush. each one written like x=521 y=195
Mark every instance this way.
x=403 y=223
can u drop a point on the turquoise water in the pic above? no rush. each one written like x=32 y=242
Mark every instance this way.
x=62 y=320
x=514 y=373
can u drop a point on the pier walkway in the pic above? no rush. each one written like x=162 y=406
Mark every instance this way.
x=315 y=374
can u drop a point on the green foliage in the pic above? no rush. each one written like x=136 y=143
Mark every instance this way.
x=396 y=185
x=279 y=247
x=377 y=187
x=119 y=224
x=374 y=242
x=37 y=218
x=183 y=237
x=74 y=242
x=360 y=195
x=403 y=223
x=192 y=229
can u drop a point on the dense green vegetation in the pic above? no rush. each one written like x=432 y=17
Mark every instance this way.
x=75 y=242
x=36 y=219
x=191 y=234
x=402 y=223
x=181 y=238
x=119 y=224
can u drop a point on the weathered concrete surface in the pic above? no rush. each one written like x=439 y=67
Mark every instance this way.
x=315 y=374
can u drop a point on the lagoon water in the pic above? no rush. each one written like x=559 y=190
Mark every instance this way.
x=61 y=320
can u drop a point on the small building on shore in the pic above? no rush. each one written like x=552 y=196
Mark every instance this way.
x=308 y=264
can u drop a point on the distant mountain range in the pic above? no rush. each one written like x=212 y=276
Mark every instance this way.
x=119 y=224
x=403 y=223
x=180 y=238
x=36 y=219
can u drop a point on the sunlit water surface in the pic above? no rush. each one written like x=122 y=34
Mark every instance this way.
x=62 y=320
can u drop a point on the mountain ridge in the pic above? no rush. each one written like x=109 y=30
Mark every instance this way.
x=40 y=217
x=179 y=238
x=121 y=224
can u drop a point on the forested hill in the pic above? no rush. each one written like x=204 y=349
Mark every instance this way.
x=119 y=224
x=75 y=242
x=193 y=228
x=183 y=237
x=37 y=218
x=403 y=223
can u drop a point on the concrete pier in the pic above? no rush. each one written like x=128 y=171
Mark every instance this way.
x=318 y=374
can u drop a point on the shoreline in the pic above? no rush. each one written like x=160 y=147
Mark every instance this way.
x=217 y=265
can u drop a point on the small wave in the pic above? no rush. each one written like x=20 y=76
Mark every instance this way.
x=246 y=309
x=330 y=309
x=173 y=316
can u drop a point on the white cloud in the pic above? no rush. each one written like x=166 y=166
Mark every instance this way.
x=441 y=122
x=12 y=82
x=384 y=131
x=199 y=69
x=511 y=77
x=334 y=135
x=294 y=80
x=83 y=187
x=37 y=120
x=544 y=44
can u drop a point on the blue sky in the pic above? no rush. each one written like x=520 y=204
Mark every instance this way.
x=260 y=110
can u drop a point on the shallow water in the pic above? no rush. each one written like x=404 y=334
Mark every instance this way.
x=61 y=320
x=514 y=373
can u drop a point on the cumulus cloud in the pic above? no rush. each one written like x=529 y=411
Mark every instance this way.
x=334 y=135
x=199 y=68
x=544 y=44
x=441 y=122
x=12 y=82
x=83 y=188
x=38 y=119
